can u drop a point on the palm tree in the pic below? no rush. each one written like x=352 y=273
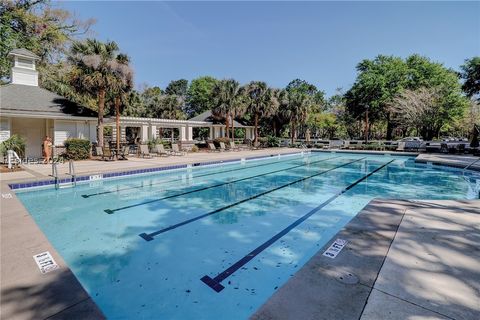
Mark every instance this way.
x=94 y=72
x=296 y=109
x=226 y=95
x=262 y=102
x=121 y=88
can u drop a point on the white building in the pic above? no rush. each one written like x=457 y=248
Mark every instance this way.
x=33 y=112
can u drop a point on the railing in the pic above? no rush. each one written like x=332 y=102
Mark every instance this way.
x=71 y=172
x=55 y=175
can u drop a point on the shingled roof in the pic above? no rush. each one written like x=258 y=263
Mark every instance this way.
x=22 y=100
x=207 y=116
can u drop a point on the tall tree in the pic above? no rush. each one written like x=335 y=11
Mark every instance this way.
x=121 y=89
x=226 y=95
x=177 y=87
x=262 y=102
x=471 y=76
x=300 y=97
x=40 y=27
x=296 y=110
x=200 y=96
x=378 y=82
x=94 y=72
x=381 y=80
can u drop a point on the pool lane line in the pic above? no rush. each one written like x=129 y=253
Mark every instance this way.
x=150 y=236
x=111 y=211
x=199 y=176
x=215 y=283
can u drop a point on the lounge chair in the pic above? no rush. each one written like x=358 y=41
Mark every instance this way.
x=176 y=150
x=346 y=144
x=222 y=147
x=99 y=151
x=335 y=144
x=233 y=147
x=124 y=152
x=211 y=148
x=143 y=151
x=401 y=146
x=160 y=151
x=107 y=154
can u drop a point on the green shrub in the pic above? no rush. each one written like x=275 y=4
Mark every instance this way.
x=194 y=149
x=273 y=142
x=77 y=149
x=152 y=142
x=15 y=143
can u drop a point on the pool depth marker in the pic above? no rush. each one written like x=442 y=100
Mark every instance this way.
x=111 y=211
x=199 y=176
x=149 y=236
x=215 y=283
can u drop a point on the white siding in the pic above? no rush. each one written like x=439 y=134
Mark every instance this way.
x=73 y=129
x=4 y=129
x=63 y=131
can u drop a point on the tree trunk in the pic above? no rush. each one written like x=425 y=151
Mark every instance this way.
x=255 y=141
x=274 y=124
x=233 y=130
x=389 y=128
x=293 y=132
x=227 y=125
x=117 y=123
x=101 y=107
x=366 y=126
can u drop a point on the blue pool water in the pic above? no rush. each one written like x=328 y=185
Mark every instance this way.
x=202 y=221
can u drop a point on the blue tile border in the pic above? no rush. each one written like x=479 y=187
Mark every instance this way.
x=25 y=185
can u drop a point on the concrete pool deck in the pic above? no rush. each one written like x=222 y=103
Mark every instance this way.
x=28 y=294
x=403 y=260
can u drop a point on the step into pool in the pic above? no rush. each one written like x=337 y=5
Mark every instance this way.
x=215 y=242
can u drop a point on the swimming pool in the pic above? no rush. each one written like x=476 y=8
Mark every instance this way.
x=216 y=242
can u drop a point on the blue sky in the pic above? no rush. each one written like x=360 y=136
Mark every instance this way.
x=277 y=42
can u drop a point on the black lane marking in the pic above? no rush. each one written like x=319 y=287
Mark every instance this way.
x=179 y=179
x=149 y=236
x=111 y=211
x=215 y=283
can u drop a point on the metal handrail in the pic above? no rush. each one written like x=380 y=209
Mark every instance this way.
x=55 y=174
x=471 y=164
x=71 y=172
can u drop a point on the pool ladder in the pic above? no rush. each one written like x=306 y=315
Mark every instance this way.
x=71 y=172
x=463 y=172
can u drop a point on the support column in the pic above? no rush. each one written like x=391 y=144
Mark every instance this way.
x=210 y=133
x=144 y=133
x=182 y=134
x=189 y=133
x=152 y=132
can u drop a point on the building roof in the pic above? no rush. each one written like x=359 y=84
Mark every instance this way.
x=207 y=116
x=24 y=53
x=23 y=100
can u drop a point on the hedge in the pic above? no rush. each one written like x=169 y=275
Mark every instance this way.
x=77 y=149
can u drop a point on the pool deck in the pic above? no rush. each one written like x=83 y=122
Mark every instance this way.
x=458 y=161
x=444 y=234
x=403 y=260
x=34 y=172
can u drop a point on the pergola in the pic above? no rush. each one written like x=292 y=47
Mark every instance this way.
x=149 y=127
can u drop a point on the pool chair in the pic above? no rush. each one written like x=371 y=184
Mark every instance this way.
x=401 y=146
x=143 y=151
x=223 y=148
x=211 y=148
x=159 y=150
x=124 y=152
x=176 y=150
x=99 y=152
x=107 y=154
x=233 y=147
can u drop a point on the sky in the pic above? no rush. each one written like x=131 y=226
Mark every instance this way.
x=276 y=42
